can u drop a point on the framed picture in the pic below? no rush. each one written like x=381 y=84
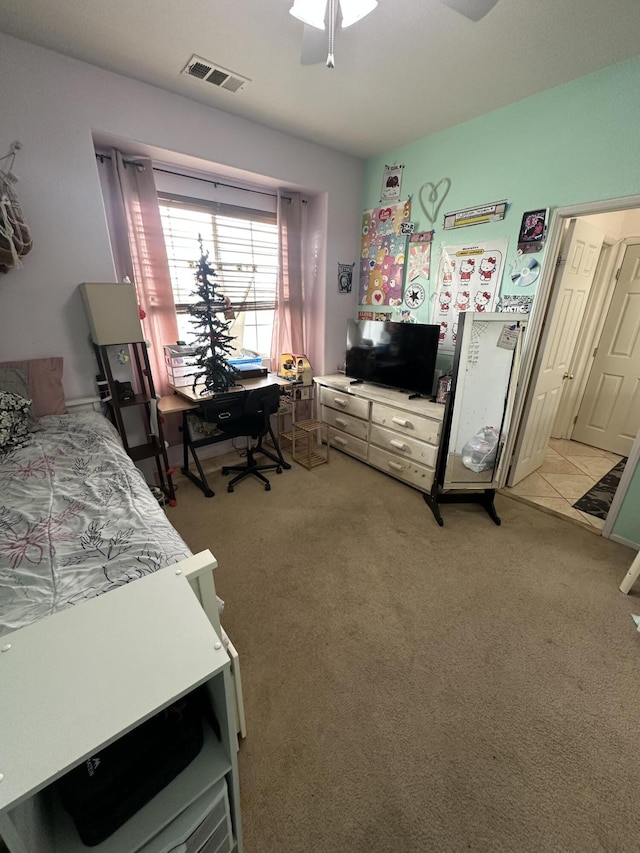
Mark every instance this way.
x=533 y=230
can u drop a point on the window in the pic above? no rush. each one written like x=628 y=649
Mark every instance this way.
x=243 y=250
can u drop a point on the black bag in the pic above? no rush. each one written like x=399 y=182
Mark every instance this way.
x=107 y=789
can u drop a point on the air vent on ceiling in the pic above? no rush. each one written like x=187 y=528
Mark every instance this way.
x=207 y=71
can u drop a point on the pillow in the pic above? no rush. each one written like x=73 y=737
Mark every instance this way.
x=13 y=421
x=44 y=379
x=15 y=382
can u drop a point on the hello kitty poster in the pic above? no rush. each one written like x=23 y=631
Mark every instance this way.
x=468 y=279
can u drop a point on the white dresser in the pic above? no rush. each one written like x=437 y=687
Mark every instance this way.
x=382 y=427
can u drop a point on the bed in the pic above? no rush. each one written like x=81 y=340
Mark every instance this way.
x=77 y=518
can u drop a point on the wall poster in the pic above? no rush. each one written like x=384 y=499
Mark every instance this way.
x=533 y=230
x=382 y=255
x=391 y=184
x=468 y=279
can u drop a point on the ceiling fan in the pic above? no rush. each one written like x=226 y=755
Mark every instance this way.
x=320 y=17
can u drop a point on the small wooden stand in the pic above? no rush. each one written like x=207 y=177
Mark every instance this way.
x=307 y=439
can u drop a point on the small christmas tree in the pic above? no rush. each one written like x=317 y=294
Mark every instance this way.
x=212 y=343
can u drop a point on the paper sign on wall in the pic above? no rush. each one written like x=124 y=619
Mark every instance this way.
x=391 y=184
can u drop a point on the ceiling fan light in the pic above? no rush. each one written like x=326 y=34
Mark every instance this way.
x=354 y=10
x=310 y=12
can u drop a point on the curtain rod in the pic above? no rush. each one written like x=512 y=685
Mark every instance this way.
x=137 y=164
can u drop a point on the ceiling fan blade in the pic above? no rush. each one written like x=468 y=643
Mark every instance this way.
x=314 y=46
x=472 y=9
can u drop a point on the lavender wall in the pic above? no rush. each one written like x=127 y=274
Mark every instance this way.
x=54 y=105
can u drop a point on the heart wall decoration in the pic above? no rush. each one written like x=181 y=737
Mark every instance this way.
x=431 y=197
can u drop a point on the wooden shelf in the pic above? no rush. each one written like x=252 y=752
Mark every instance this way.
x=304 y=439
x=305 y=448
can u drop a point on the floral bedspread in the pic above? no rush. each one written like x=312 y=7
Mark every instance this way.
x=76 y=520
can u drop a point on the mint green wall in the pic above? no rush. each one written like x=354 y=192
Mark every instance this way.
x=579 y=142
x=627 y=524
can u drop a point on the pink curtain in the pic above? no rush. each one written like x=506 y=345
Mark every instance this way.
x=288 y=324
x=139 y=252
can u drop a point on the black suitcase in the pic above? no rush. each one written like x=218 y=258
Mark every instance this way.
x=109 y=787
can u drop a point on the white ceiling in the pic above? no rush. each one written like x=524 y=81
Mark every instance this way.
x=411 y=68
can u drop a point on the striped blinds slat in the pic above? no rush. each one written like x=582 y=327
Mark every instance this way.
x=243 y=251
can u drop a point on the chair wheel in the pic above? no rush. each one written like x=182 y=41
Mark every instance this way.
x=224 y=471
x=278 y=470
x=267 y=488
x=229 y=488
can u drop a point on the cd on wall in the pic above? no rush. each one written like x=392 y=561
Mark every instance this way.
x=526 y=275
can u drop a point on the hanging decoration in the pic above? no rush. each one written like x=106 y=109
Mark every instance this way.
x=15 y=238
x=382 y=255
x=431 y=196
x=468 y=280
x=524 y=274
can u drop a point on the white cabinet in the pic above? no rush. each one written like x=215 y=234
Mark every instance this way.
x=80 y=679
x=383 y=427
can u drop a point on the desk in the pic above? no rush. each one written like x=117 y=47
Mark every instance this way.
x=211 y=407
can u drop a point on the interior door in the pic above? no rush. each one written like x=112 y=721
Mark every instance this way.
x=576 y=270
x=609 y=416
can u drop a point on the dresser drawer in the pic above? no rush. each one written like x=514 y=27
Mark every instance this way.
x=354 y=446
x=404 y=445
x=410 y=472
x=346 y=423
x=406 y=423
x=345 y=403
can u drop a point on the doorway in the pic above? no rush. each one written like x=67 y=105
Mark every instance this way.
x=568 y=389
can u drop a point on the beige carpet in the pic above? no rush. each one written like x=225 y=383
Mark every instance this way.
x=411 y=688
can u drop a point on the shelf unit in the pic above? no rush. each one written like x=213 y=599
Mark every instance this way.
x=154 y=447
x=114 y=320
x=80 y=679
x=307 y=439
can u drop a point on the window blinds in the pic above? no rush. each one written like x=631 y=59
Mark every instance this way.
x=242 y=246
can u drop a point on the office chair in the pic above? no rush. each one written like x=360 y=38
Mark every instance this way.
x=255 y=423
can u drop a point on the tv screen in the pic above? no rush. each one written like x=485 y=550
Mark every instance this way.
x=399 y=355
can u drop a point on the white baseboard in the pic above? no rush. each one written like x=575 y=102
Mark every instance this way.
x=622 y=541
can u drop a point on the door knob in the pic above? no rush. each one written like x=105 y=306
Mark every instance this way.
x=567 y=376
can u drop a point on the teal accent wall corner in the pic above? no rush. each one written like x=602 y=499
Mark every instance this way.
x=573 y=144
x=627 y=525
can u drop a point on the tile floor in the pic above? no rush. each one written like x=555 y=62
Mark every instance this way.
x=569 y=470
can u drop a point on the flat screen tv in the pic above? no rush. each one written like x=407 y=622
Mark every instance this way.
x=398 y=355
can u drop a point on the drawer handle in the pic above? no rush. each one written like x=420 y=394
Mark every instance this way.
x=338 y=440
x=399 y=445
x=396 y=466
x=400 y=422
x=340 y=402
x=342 y=422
